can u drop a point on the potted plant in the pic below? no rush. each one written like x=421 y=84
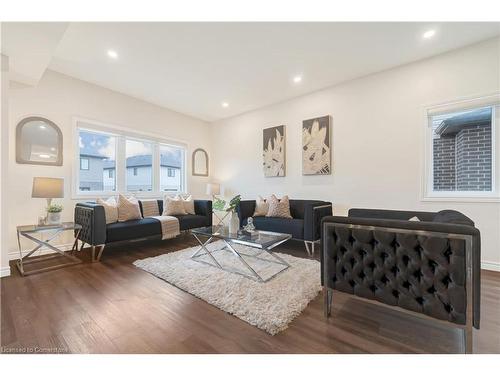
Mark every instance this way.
x=234 y=223
x=54 y=214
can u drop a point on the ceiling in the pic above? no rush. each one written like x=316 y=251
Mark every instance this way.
x=193 y=67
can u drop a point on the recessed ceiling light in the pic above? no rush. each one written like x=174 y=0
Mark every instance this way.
x=224 y=104
x=42 y=126
x=44 y=156
x=429 y=34
x=112 y=54
x=52 y=149
x=297 y=79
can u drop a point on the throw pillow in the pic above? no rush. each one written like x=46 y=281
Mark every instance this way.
x=261 y=207
x=188 y=204
x=279 y=207
x=110 y=209
x=414 y=218
x=128 y=208
x=150 y=208
x=172 y=206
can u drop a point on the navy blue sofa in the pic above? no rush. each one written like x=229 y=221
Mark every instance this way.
x=95 y=231
x=305 y=224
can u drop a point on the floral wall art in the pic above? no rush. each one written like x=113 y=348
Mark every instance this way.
x=316 y=148
x=274 y=151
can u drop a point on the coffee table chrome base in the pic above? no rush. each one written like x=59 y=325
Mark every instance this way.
x=253 y=275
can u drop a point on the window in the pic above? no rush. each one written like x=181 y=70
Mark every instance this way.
x=112 y=160
x=139 y=162
x=84 y=164
x=97 y=153
x=461 y=161
x=172 y=168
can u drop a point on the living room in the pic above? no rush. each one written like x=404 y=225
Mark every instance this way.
x=303 y=188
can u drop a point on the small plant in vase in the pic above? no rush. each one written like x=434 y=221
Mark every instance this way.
x=54 y=214
x=234 y=223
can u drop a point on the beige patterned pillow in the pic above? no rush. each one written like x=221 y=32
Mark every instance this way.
x=261 y=207
x=150 y=208
x=279 y=208
x=172 y=206
x=188 y=204
x=128 y=208
x=110 y=209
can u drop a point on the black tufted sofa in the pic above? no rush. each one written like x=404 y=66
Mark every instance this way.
x=431 y=266
x=97 y=233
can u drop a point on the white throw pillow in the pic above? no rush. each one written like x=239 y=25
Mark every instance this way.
x=110 y=209
x=279 y=207
x=188 y=204
x=414 y=218
x=261 y=207
x=128 y=208
x=172 y=206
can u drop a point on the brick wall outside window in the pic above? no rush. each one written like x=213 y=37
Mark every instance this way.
x=463 y=161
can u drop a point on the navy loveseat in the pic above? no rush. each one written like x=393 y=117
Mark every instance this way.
x=305 y=224
x=95 y=231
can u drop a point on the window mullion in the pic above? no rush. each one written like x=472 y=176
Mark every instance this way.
x=121 y=168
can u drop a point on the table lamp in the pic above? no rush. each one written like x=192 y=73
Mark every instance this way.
x=48 y=188
x=213 y=189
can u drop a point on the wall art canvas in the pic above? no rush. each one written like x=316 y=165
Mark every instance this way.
x=274 y=151
x=316 y=147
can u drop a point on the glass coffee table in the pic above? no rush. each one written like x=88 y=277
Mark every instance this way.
x=260 y=240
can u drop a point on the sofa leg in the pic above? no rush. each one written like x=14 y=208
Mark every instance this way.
x=328 y=298
x=97 y=257
x=101 y=250
x=306 y=243
x=467 y=335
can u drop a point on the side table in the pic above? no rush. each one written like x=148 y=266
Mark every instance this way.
x=27 y=231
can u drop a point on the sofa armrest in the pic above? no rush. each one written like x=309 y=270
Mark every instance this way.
x=313 y=213
x=92 y=218
x=419 y=266
x=245 y=209
x=204 y=208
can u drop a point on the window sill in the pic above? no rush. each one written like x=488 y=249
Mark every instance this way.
x=462 y=199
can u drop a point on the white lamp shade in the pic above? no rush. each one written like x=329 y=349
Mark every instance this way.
x=213 y=189
x=47 y=187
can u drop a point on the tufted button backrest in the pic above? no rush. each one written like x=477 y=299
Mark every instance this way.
x=421 y=273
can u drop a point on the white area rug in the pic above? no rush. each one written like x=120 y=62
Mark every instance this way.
x=270 y=306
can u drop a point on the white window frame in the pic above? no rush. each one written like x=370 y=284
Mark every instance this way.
x=428 y=192
x=122 y=133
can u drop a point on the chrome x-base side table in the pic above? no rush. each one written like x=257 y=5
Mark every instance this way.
x=27 y=231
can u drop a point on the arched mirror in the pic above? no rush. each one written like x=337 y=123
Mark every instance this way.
x=38 y=141
x=200 y=162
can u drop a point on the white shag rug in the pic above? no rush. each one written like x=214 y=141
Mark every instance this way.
x=270 y=305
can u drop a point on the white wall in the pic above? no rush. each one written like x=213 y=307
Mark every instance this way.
x=59 y=98
x=4 y=148
x=378 y=139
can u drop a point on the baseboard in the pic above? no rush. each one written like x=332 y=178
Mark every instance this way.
x=491 y=266
x=15 y=254
x=4 y=271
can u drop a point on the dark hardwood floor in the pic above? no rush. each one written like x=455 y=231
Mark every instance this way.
x=114 y=307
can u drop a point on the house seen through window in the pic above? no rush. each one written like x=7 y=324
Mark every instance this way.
x=140 y=172
x=462 y=151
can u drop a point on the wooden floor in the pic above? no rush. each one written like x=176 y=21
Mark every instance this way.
x=114 y=307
